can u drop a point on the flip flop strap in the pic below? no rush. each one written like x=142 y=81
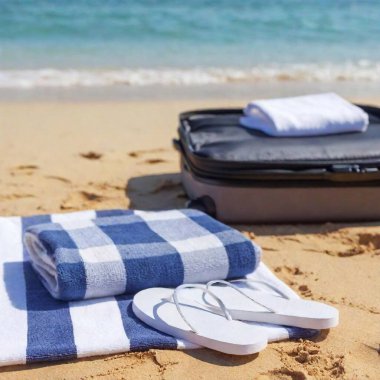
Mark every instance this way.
x=209 y=284
x=269 y=285
x=209 y=292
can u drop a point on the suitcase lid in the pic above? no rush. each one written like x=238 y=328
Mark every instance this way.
x=214 y=143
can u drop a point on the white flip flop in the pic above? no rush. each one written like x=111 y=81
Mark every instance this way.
x=161 y=309
x=246 y=303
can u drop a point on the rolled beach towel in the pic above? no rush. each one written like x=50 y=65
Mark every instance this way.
x=310 y=115
x=108 y=256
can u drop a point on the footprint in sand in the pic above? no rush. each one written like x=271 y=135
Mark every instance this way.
x=106 y=186
x=11 y=197
x=24 y=169
x=27 y=167
x=57 y=178
x=91 y=155
x=354 y=251
x=89 y=196
x=154 y=161
x=362 y=243
x=305 y=291
x=348 y=243
x=293 y=275
x=78 y=200
x=371 y=241
x=306 y=361
x=139 y=153
x=291 y=270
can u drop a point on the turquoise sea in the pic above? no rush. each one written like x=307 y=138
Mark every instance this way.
x=106 y=42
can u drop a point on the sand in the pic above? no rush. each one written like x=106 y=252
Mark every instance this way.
x=60 y=157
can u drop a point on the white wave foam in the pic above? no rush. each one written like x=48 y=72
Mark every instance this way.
x=359 y=71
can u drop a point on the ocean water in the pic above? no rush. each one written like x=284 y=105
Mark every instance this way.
x=55 y=43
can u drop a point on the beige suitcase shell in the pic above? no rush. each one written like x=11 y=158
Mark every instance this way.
x=268 y=203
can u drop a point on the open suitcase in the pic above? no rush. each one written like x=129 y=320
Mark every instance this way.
x=240 y=175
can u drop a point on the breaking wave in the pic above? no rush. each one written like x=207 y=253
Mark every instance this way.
x=66 y=78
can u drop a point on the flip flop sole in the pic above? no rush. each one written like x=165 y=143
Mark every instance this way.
x=288 y=312
x=212 y=330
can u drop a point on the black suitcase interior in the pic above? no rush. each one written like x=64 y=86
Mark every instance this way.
x=219 y=157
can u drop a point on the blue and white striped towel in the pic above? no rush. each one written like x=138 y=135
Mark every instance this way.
x=36 y=327
x=136 y=250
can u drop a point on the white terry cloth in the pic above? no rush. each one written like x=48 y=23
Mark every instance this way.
x=310 y=115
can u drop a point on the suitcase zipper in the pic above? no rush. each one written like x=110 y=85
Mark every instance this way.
x=352 y=169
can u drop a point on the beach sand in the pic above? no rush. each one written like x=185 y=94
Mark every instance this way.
x=60 y=157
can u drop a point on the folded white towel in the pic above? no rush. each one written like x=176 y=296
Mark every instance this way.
x=310 y=115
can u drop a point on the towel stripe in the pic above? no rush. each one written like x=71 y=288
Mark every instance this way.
x=78 y=269
x=141 y=336
x=215 y=259
x=146 y=271
x=116 y=212
x=50 y=331
x=297 y=333
x=98 y=327
x=13 y=314
x=239 y=253
x=100 y=318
